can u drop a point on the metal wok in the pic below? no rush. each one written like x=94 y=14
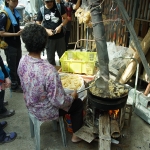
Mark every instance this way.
x=106 y=103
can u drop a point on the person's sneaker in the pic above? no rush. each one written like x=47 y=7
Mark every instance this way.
x=9 y=137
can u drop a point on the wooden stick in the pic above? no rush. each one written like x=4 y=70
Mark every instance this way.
x=104 y=132
x=147 y=90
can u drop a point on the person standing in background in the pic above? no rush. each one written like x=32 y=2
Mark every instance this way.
x=69 y=7
x=5 y=84
x=51 y=19
x=4 y=138
x=12 y=37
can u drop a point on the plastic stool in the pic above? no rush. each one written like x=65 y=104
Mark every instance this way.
x=35 y=129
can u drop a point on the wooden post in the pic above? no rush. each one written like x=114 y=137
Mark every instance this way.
x=139 y=9
x=133 y=35
x=104 y=132
x=146 y=9
x=136 y=27
x=134 y=11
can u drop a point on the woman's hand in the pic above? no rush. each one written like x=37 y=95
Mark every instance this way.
x=74 y=94
x=49 y=32
x=7 y=83
x=1 y=32
x=19 y=33
x=58 y=29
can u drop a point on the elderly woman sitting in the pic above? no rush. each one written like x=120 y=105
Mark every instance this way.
x=42 y=88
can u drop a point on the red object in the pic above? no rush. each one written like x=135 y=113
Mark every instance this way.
x=68 y=122
x=68 y=12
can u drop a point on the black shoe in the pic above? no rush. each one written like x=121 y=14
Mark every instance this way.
x=8 y=113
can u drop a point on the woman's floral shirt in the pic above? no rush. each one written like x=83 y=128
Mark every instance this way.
x=42 y=88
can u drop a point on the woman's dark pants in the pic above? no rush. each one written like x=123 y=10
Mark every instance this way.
x=76 y=114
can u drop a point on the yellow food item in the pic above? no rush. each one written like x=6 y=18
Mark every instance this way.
x=115 y=90
x=72 y=82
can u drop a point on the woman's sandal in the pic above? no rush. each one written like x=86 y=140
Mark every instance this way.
x=9 y=137
x=3 y=124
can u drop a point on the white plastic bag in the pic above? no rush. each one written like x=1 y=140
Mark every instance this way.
x=117 y=55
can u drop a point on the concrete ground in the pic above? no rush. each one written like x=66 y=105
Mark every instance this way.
x=137 y=137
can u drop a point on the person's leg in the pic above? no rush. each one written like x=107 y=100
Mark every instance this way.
x=2 y=134
x=76 y=114
x=19 y=55
x=11 y=57
x=50 y=49
x=2 y=108
x=3 y=111
x=60 y=46
x=67 y=35
x=6 y=138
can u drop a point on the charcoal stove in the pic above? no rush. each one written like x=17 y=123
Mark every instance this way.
x=105 y=119
x=97 y=106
